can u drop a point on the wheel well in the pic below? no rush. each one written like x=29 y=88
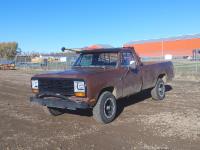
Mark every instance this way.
x=162 y=76
x=110 y=89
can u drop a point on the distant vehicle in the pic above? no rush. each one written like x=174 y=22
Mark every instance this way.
x=168 y=57
x=97 y=79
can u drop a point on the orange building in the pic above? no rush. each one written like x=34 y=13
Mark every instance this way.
x=97 y=46
x=177 y=46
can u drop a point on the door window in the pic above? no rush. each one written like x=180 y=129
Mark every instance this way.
x=126 y=57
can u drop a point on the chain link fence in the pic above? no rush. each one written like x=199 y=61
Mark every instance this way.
x=182 y=67
x=187 y=69
x=45 y=65
x=25 y=64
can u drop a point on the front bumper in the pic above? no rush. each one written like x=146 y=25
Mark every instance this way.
x=62 y=103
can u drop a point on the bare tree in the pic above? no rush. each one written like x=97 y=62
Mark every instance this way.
x=8 y=50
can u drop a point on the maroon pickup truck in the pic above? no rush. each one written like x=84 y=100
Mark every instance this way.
x=97 y=79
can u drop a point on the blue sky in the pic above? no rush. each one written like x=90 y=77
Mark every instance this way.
x=48 y=25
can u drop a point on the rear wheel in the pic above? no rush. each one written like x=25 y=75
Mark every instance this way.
x=158 y=92
x=105 y=109
x=53 y=111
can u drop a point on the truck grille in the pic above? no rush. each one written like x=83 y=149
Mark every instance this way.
x=61 y=86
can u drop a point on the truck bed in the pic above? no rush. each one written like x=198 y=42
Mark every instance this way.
x=151 y=71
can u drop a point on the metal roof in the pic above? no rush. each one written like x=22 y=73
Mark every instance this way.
x=182 y=37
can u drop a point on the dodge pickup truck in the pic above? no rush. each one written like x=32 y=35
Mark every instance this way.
x=97 y=79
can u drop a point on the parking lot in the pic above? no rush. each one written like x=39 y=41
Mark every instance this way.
x=141 y=122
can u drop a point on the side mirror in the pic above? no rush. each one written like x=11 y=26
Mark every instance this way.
x=132 y=64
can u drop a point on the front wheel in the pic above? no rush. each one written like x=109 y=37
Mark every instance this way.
x=158 y=92
x=106 y=108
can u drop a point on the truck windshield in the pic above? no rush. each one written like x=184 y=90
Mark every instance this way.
x=97 y=59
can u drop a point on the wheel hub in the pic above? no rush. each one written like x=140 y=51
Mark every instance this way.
x=108 y=108
x=161 y=89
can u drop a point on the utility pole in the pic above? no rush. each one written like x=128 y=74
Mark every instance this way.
x=162 y=49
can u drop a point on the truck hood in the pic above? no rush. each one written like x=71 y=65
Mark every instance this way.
x=75 y=73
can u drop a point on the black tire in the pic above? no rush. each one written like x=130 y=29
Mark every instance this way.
x=106 y=108
x=158 y=92
x=53 y=111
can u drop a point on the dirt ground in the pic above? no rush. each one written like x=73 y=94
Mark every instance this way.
x=141 y=123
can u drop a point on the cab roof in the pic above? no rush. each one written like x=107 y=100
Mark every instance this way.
x=106 y=50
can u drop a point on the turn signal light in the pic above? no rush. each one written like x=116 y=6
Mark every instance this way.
x=80 y=94
x=35 y=91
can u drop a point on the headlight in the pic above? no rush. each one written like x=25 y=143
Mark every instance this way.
x=34 y=84
x=79 y=86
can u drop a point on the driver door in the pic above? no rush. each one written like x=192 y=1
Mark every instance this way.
x=132 y=78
